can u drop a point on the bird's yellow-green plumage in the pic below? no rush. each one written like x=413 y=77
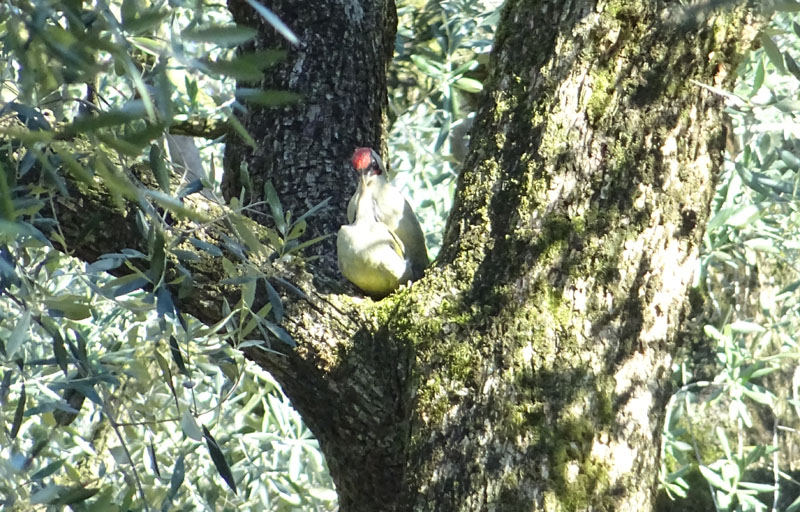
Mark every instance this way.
x=390 y=208
x=370 y=255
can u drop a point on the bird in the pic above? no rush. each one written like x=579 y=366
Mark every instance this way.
x=391 y=208
x=371 y=251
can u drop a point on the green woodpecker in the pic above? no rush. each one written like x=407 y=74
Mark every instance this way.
x=391 y=208
x=383 y=246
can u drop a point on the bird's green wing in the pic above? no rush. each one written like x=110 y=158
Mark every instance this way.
x=397 y=244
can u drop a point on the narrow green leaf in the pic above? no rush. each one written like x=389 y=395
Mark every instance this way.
x=766 y=245
x=745 y=327
x=175 y=350
x=163 y=366
x=18 y=414
x=275 y=301
x=468 y=85
x=191 y=188
x=763 y=371
x=247 y=67
x=190 y=427
x=19 y=334
x=290 y=287
x=758 y=77
x=267 y=97
x=126 y=284
x=7 y=211
x=273 y=20
x=175 y=206
x=104 y=264
x=59 y=352
x=164 y=303
x=428 y=67
x=248 y=292
x=178 y=474
x=791 y=65
x=260 y=58
x=154 y=47
x=760 y=396
x=73 y=495
x=159 y=168
x=314 y=209
x=790 y=159
x=207 y=247
x=144 y=21
x=743 y=216
x=246 y=235
x=218 y=458
x=186 y=256
x=48 y=470
x=307 y=243
x=298 y=229
x=152 y=451
x=221 y=35
x=239 y=72
x=714 y=479
x=788 y=106
x=280 y=333
x=117 y=183
x=755 y=454
x=242 y=131
x=275 y=205
x=773 y=53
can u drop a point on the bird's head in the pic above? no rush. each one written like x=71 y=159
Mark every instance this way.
x=367 y=163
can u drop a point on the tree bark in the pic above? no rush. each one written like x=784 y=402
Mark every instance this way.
x=530 y=368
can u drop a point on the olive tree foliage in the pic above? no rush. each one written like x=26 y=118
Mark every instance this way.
x=435 y=79
x=110 y=399
x=731 y=427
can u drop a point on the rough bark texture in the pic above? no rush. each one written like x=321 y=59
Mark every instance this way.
x=339 y=70
x=577 y=227
x=528 y=370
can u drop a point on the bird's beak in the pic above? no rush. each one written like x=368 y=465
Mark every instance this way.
x=363 y=176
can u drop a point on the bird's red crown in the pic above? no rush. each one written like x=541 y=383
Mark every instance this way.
x=362 y=157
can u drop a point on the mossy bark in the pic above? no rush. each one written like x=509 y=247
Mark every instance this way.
x=542 y=381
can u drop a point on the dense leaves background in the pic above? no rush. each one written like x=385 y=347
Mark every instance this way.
x=113 y=399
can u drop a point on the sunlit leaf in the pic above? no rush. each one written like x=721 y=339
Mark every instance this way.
x=746 y=327
x=773 y=53
x=72 y=306
x=190 y=427
x=468 y=85
x=273 y=20
x=743 y=216
x=222 y=35
x=19 y=335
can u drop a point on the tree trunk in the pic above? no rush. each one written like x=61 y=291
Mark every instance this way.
x=530 y=368
x=532 y=364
